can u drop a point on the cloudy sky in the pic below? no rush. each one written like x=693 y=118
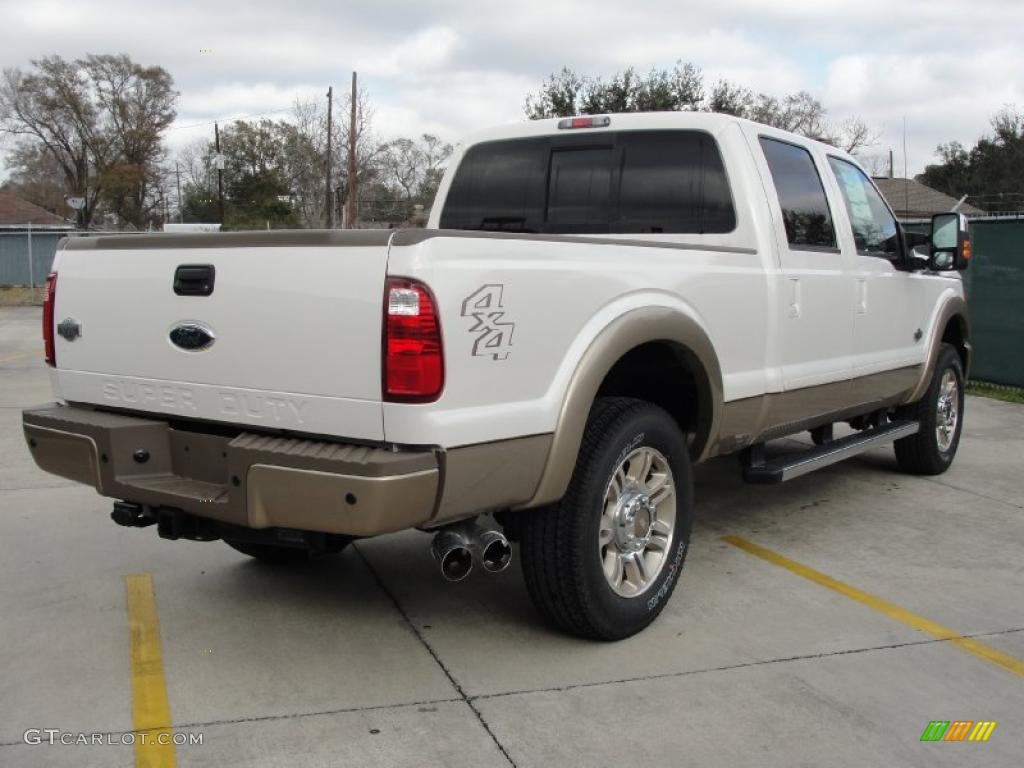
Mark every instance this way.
x=454 y=66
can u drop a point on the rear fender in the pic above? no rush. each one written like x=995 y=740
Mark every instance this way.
x=628 y=331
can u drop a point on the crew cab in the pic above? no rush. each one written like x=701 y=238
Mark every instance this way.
x=596 y=304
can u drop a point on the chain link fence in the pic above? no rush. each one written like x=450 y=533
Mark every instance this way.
x=26 y=258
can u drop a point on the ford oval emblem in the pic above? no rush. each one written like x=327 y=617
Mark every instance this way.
x=192 y=337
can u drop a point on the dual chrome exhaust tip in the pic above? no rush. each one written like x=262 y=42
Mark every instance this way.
x=456 y=547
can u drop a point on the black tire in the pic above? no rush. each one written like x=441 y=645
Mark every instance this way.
x=921 y=453
x=275 y=554
x=559 y=546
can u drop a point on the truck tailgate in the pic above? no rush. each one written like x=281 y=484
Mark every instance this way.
x=295 y=319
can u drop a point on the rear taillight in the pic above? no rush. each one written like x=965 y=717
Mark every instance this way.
x=413 y=365
x=48 y=301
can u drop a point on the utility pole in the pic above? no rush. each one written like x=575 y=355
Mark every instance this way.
x=327 y=170
x=220 y=173
x=177 y=172
x=350 y=201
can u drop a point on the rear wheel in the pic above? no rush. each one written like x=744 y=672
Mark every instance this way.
x=275 y=554
x=940 y=413
x=603 y=561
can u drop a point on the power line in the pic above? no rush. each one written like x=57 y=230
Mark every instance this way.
x=229 y=119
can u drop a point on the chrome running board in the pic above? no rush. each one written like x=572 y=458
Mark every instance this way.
x=757 y=469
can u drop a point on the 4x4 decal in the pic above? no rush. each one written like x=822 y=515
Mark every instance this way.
x=494 y=334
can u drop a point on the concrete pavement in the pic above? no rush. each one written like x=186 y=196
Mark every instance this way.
x=371 y=659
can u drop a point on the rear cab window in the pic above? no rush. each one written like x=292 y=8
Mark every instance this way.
x=654 y=182
x=805 y=211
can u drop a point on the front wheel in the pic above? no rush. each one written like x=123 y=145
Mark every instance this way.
x=603 y=561
x=940 y=413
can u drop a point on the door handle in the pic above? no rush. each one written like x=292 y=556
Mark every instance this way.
x=794 y=298
x=194 y=279
x=862 y=296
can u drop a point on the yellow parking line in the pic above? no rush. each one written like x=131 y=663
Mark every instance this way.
x=150 y=712
x=982 y=651
x=21 y=356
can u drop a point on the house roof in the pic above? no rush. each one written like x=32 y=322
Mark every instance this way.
x=15 y=212
x=911 y=199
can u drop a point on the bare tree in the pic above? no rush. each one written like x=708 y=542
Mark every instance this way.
x=414 y=168
x=53 y=106
x=91 y=116
x=436 y=154
x=194 y=160
x=305 y=149
x=875 y=164
x=136 y=105
x=854 y=135
x=368 y=147
x=802 y=113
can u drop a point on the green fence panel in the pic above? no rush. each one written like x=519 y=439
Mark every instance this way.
x=995 y=294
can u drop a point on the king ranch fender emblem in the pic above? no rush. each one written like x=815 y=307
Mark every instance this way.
x=69 y=329
x=493 y=332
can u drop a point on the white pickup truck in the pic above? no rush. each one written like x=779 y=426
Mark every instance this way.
x=596 y=304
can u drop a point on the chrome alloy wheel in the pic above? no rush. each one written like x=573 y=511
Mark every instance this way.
x=638 y=522
x=947 y=410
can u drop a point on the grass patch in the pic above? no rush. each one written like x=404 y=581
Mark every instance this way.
x=21 y=296
x=996 y=392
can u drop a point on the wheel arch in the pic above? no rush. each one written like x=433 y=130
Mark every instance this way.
x=673 y=344
x=951 y=326
x=957 y=333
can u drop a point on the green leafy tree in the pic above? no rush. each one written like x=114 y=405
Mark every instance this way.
x=256 y=187
x=991 y=172
x=259 y=198
x=567 y=93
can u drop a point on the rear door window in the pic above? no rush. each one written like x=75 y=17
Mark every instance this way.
x=805 y=210
x=629 y=182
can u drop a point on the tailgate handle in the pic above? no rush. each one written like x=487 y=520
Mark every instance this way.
x=194 y=279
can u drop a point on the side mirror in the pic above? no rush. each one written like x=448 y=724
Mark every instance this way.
x=950 y=246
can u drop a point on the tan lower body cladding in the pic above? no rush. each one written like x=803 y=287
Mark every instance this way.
x=262 y=481
x=766 y=417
